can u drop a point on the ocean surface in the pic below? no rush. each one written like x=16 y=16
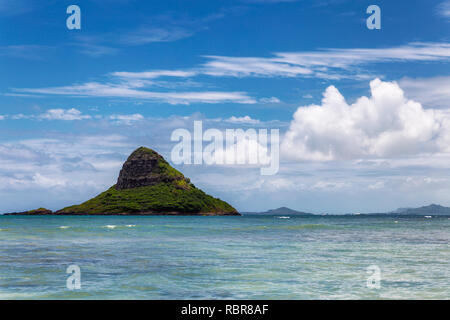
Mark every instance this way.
x=249 y=257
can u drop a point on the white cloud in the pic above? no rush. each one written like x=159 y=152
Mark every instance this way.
x=327 y=63
x=245 y=151
x=384 y=125
x=126 y=118
x=245 y=119
x=20 y=116
x=431 y=92
x=156 y=34
x=63 y=114
x=21 y=95
x=95 y=50
x=154 y=74
x=249 y=66
x=92 y=46
x=48 y=182
x=70 y=161
x=62 y=168
x=270 y=100
x=125 y=90
x=16 y=153
x=326 y=185
x=341 y=58
x=324 y=63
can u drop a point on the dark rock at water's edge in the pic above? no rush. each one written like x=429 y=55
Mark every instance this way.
x=148 y=185
x=36 y=212
x=280 y=211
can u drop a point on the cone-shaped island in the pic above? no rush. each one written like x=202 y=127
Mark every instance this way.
x=148 y=185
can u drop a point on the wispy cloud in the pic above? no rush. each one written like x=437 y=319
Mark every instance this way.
x=63 y=114
x=147 y=35
x=154 y=74
x=167 y=28
x=270 y=100
x=56 y=169
x=126 y=119
x=324 y=63
x=242 y=120
x=250 y=66
x=431 y=92
x=51 y=114
x=161 y=28
x=92 y=46
x=124 y=90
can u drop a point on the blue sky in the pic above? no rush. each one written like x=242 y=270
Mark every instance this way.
x=75 y=103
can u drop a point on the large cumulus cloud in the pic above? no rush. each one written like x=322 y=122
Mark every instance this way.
x=384 y=125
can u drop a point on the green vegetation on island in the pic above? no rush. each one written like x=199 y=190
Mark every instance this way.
x=162 y=198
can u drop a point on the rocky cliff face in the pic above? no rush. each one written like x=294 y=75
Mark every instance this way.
x=144 y=167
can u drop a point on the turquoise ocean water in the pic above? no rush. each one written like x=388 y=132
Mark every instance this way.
x=247 y=257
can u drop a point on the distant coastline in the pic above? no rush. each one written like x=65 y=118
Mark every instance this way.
x=430 y=210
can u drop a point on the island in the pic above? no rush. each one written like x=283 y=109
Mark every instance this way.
x=432 y=210
x=280 y=212
x=147 y=185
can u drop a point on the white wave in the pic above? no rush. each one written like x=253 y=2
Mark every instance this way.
x=131 y=225
x=110 y=226
x=283 y=217
x=64 y=227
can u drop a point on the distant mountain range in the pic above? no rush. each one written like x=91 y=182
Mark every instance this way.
x=431 y=210
x=281 y=212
